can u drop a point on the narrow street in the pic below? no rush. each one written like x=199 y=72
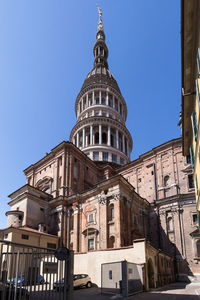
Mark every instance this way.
x=175 y=291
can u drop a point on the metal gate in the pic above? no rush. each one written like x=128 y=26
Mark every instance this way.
x=28 y=273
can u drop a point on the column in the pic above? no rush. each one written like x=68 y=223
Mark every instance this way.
x=127 y=146
x=106 y=98
x=123 y=143
x=78 y=111
x=87 y=101
x=100 y=134
x=86 y=141
x=74 y=141
x=117 y=138
x=83 y=136
x=77 y=139
x=118 y=106
x=91 y=134
x=82 y=104
x=113 y=101
x=93 y=98
x=108 y=142
x=99 y=97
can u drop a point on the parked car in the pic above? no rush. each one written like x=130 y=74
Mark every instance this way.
x=24 y=280
x=7 y=291
x=79 y=280
x=82 y=280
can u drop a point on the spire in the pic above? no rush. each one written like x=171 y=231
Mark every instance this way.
x=100 y=25
x=100 y=49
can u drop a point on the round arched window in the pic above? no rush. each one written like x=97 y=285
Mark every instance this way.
x=166 y=180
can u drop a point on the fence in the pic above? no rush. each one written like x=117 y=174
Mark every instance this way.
x=28 y=273
x=121 y=278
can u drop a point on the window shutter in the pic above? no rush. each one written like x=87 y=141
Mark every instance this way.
x=192 y=156
x=198 y=61
x=196 y=183
x=197 y=92
x=194 y=124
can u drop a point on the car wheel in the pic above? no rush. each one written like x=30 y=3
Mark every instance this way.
x=89 y=284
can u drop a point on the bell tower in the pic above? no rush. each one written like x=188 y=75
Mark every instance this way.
x=100 y=131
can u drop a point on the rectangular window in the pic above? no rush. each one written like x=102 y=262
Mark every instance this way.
x=110 y=274
x=90 y=218
x=25 y=237
x=197 y=92
x=194 y=124
x=190 y=181
x=91 y=244
x=114 y=158
x=188 y=159
x=192 y=156
x=5 y=236
x=112 y=213
x=51 y=245
x=194 y=219
x=95 y=155
x=97 y=100
x=105 y=156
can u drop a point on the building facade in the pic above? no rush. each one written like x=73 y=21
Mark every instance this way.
x=190 y=50
x=86 y=194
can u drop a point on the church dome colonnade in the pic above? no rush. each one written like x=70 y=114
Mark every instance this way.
x=100 y=131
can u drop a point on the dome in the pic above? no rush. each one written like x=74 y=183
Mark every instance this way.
x=100 y=131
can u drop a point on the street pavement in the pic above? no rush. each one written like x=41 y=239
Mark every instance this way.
x=174 y=291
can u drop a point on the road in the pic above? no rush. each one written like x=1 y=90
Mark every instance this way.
x=175 y=291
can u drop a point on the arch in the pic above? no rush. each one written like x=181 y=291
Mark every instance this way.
x=166 y=180
x=150 y=273
x=111 y=242
x=169 y=224
x=111 y=212
x=104 y=138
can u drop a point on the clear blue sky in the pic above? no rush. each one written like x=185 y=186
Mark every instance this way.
x=46 y=52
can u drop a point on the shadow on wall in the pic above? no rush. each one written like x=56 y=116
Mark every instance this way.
x=158 y=238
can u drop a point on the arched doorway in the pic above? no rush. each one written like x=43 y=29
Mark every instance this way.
x=150 y=273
